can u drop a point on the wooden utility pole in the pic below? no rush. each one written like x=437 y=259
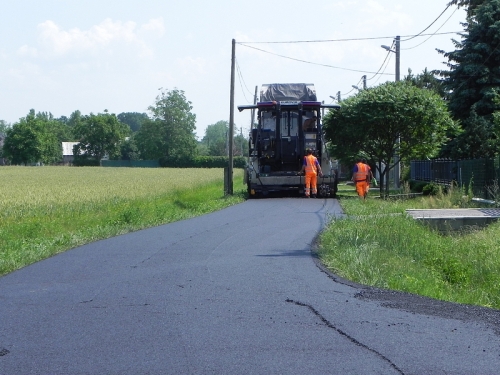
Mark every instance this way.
x=397 y=167
x=231 y=123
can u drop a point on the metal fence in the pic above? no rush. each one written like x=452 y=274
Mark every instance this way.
x=480 y=174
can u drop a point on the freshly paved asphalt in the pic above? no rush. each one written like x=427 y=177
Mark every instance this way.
x=233 y=292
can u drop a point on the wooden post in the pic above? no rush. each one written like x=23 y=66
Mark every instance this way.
x=231 y=122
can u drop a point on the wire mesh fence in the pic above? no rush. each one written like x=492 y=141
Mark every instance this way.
x=479 y=174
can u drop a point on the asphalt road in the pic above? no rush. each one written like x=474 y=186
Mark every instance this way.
x=234 y=292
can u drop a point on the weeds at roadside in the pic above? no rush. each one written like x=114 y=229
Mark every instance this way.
x=378 y=245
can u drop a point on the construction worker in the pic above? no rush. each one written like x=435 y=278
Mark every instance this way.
x=362 y=176
x=312 y=169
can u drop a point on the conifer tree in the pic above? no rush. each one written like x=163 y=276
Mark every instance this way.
x=473 y=80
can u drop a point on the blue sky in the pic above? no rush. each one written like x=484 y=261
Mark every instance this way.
x=62 y=55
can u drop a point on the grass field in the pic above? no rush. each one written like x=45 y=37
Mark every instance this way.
x=46 y=210
x=379 y=245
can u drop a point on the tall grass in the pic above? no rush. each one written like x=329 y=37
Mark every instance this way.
x=46 y=210
x=379 y=245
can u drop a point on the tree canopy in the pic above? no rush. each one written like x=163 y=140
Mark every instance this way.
x=471 y=5
x=473 y=80
x=216 y=138
x=393 y=118
x=99 y=135
x=33 y=139
x=132 y=119
x=3 y=126
x=170 y=130
x=426 y=80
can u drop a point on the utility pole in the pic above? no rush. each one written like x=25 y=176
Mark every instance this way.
x=397 y=166
x=338 y=97
x=398 y=53
x=229 y=176
x=364 y=82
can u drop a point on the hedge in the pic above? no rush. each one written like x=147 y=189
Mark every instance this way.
x=201 y=162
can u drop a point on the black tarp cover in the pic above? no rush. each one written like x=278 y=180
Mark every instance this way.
x=288 y=92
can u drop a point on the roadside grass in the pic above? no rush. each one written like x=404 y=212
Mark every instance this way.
x=47 y=210
x=379 y=245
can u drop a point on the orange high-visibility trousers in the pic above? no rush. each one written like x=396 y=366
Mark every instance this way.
x=311 y=184
x=362 y=188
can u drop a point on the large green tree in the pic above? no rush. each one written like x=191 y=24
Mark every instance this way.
x=171 y=129
x=473 y=81
x=216 y=138
x=132 y=119
x=393 y=118
x=33 y=139
x=100 y=135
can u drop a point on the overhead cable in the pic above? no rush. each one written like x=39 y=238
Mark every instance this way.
x=431 y=34
x=242 y=81
x=305 y=61
x=381 y=66
x=432 y=23
x=347 y=39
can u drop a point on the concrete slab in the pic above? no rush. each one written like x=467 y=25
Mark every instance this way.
x=446 y=220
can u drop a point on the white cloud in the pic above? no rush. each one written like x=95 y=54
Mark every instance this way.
x=155 y=26
x=57 y=42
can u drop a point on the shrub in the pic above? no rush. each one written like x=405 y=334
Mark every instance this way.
x=431 y=189
x=201 y=162
x=417 y=186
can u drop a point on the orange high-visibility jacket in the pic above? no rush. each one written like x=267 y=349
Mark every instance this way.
x=311 y=163
x=362 y=173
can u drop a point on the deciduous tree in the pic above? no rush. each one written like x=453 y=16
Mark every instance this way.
x=33 y=139
x=216 y=138
x=99 y=135
x=393 y=118
x=170 y=130
x=132 y=119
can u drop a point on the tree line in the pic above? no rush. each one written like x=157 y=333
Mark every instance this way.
x=168 y=131
x=452 y=113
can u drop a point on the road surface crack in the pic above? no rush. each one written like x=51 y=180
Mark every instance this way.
x=339 y=331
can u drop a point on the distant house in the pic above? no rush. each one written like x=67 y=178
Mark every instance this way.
x=68 y=152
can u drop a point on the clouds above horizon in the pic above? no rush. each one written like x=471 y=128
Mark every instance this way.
x=55 y=42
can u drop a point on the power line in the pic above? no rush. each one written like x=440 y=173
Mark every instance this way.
x=305 y=61
x=432 y=34
x=348 y=39
x=381 y=66
x=432 y=23
x=242 y=81
x=240 y=75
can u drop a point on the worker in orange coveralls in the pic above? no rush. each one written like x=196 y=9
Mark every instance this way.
x=312 y=169
x=362 y=176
